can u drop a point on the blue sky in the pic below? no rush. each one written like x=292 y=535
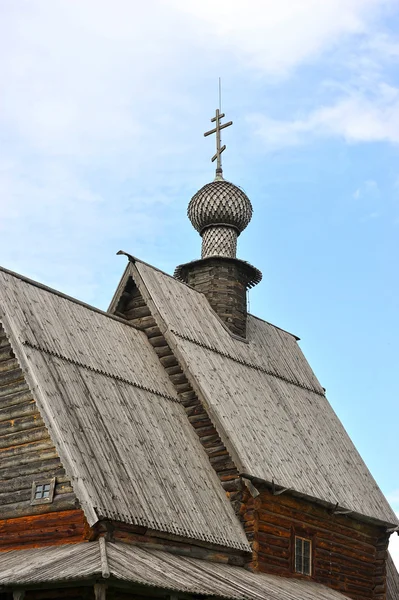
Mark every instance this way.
x=102 y=112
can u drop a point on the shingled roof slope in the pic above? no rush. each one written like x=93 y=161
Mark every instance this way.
x=270 y=410
x=154 y=569
x=114 y=417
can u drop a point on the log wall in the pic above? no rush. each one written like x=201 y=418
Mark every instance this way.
x=27 y=454
x=348 y=555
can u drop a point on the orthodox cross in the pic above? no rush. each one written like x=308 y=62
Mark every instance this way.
x=219 y=149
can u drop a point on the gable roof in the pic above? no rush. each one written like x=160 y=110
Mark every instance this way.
x=114 y=417
x=155 y=569
x=269 y=408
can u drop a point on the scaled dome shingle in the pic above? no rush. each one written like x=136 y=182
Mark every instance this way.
x=217 y=203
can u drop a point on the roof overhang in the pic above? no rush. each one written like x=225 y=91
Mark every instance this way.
x=121 y=564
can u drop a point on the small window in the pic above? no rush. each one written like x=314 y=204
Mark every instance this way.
x=43 y=491
x=303 y=554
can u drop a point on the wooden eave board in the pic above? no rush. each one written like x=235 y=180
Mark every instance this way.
x=114 y=417
x=154 y=568
x=269 y=408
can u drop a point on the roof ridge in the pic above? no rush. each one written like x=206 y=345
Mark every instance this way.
x=134 y=259
x=275 y=326
x=246 y=363
x=99 y=371
x=46 y=288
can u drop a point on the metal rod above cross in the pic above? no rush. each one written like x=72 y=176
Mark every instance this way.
x=219 y=148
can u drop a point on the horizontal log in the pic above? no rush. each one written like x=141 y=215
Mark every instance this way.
x=11 y=376
x=228 y=466
x=306 y=511
x=152 y=331
x=178 y=378
x=144 y=323
x=43 y=529
x=13 y=387
x=206 y=430
x=182 y=387
x=22 y=439
x=168 y=361
x=64 y=487
x=265 y=552
x=231 y=486
x=228 y=475
x=288 y=504
x=199 y=418
x=283 y=563
x=220 y=458
x=333 y=569
x=135 y=303
x=196 y=409
x=41 y=520
x=367 y=553
x=15 y=496
x=349 y=588
x=16 y=398
x=6 y=352
x=43 y=467
x=279 y=569
x=9 y=366
x=215 y=451
x=210 y=441
x=340 y=558
x=18 y=410
x=20 y=509
x=162 y=350
x=3 y=338
x=276 y=519
x=137 y=312
x=25 y=448
x=25 y=482
x=277 y=531
x=188 y=397
x=174 y=370
x=20 y=424
x=269 y=539
x=17 y=460
x=158 y=342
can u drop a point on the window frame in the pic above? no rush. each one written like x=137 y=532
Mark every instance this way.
x=305 y=537
x=43 y=482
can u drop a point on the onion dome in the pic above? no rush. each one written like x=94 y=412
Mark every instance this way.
x=220 y=203
x=220 y=210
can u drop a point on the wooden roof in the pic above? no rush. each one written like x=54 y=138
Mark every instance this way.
x=114 y=417
x=270 y=410
x=153 y=568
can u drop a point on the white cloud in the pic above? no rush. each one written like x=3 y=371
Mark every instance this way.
x=96 y=98
x=355 y=118
x=368 y=188
x=277 y=36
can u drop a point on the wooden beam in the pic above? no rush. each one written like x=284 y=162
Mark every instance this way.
x=100 y=591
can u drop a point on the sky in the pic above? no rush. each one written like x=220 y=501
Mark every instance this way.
x=103 y=106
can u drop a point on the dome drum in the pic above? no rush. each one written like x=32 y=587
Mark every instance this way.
x=219 y=241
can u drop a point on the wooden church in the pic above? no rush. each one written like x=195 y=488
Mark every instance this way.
x=176 y=446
